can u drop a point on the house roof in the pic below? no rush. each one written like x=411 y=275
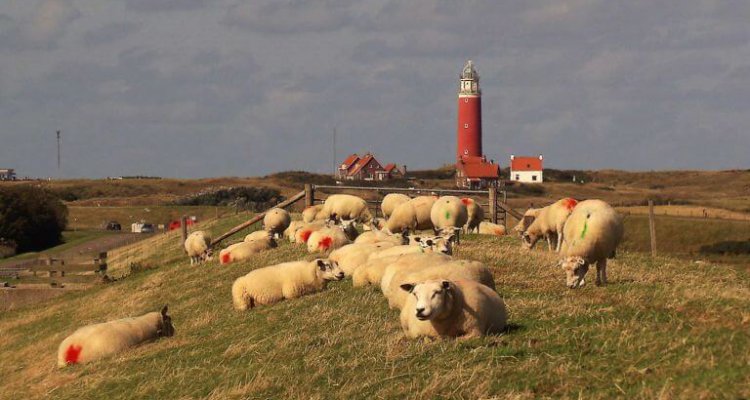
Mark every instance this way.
x=388 y=168
x=525 y=164
x=349 y=161
x=362 y=163
x=478 y=167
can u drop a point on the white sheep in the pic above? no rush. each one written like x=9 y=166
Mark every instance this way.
x=97 y=341
x=347 y=207
x=314 y=213
x=412 y=215
x=488 y=228
x=451 y=270
x=549 y=223
x=244 y=251
x=198 y=247
x=326 y=240
x=371 y=272
x=410 y=262
x=351 y=256
x=276 y=221
x=375 y=236
x=592 y=233
x=391 y=201
x=292 y=229
x=526 y=220
x=283 y=281
x=475 y=215
x=431 y=244
x=258 y=235
x=303 y=232
x=375 y=224
x=442 y=308
x=448 y=214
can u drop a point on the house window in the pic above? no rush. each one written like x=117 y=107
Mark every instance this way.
x=466 y=99
x=518 y=177
x=466 y=126
x=533 y=178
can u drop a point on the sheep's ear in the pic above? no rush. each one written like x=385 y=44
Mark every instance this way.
x=408 y=287
x=321 y=265
x=164 y=310
x=428 y=242
x=581 y=261
x=446 y=285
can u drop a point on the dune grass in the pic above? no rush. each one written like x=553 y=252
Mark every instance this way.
x=662 y=328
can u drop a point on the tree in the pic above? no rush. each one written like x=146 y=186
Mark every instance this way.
x=31 y=217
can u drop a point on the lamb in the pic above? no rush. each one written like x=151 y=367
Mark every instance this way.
x=391 y=201
x=314 y=213
x=326 y=239
x=488 y=228
x=592 y=233
x=526 y=220
x=198 y=247
x=351 y=256
x=412 y=215
x=475 y=215
x=347 y=207
x=283 y=281
x=549 y=222
x=303 y=233
x=276 y=221
x=451 y=270
x=93 y=342
x=448 y=214
x=443 y=308
x=244 y=251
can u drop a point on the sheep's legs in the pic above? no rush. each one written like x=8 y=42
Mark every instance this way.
x=601 y=272
x=559 y=240
x=549 y=244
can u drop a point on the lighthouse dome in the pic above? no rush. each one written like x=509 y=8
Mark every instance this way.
x=469 y=72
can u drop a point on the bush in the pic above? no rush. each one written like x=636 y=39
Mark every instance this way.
x=31 y=217
x=302 y=177
x=242 y=197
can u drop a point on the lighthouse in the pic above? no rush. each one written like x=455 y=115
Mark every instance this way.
x=473 y=171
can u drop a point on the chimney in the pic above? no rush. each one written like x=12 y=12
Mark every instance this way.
x=404 y=170
x=512 y=157
x=540 y=157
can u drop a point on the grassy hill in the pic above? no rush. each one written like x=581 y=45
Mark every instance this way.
x=662 y=328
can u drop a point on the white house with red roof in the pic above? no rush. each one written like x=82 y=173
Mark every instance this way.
x=367 y=168
x=526 y=169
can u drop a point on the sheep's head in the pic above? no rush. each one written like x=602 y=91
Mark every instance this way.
x=524 y=224
x=208 y=255
x=438 y=244
x=329 y=270
x=166 y=328
x=349 y=228
x=434 y=299
x=575 y=270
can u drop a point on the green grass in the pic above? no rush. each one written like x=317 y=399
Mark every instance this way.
x=70 y=240
x=93 y=217
x=662 y=328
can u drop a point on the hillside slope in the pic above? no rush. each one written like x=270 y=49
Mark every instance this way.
x=662 y=327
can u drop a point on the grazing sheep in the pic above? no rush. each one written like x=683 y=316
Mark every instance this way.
x=391 y=201
x=451 y=270
x=276 y=221
x=410 y=262
x=351 y=256
x=592 y=233
x=549 y=222
x=244 y=251
x=326 y=239
x=347 y=207
x=475 y=215
x=349 y=229
x=526 y=220
x=97 y=341
x=283 y=281
x=488 y=228
x=198 y=247
x=303 y=233
x=314 y=213
x=442 y=308
x=412 y=215
x=448 y=214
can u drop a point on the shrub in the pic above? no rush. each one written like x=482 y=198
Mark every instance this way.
x=242 y=197
x=31 y=217
x=302 y=177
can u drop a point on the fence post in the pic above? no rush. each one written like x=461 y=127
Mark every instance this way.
x=652 y=227
x=183 y=227
x=309 y=195
x=102 y=262
x=493 y=204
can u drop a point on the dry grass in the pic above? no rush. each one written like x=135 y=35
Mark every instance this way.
x=662 y=328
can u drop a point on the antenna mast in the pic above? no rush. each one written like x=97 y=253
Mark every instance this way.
x=58 y=151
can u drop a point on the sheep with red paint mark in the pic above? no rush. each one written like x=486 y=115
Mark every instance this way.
x=326 y=240
x=391 y=201
x=474 y=215
x=244 y=251
x=549 y=223
x=302 y=234
x=448 y=214
x=198 y=247
x=94 y=342
x=276 y=221
x=488 y=228
x=290 y=280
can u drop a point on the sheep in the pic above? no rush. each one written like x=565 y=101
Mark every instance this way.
x=488 y=228
x=549 y=222
x=347 y=207
x=526 y=220
x=351 y=256
x=198 y=247
x=276 y=221
x=97 y=341
x=443 y=308
x=410 y=262
x=475 y=215
x=243 y=251
x=303 y=233
x=391 y=201
x=314 y=213
x=258 y=235
x=591 y=235
x=289 y=280
x=375 y=224
x=433 y=244
x=292 y=229
x=448 y=214
x=375 y=236
x=412 y=215
x=450 y=270
x=371 y=272
x=349 y=229
x=326 y=239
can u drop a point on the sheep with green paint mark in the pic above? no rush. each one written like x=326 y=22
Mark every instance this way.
x=591 y=235
x=448 y=214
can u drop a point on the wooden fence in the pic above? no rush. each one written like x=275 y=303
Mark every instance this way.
x=57 y=272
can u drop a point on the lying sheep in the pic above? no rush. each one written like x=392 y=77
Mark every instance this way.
x=452 y=270
x=326 y=239
x=488 y=228
x=592 y=233
x=443 y=308
x=448 y=214
x=391 y=201
x=198 y=247
x=292 y=229
x=97 y=341
x=410 y=262
x=244 y=251
x=528 y=217
x=375 y=236
x=283 y=281
x=350 y=230
x=549 y=223
x=371 y=272
x=258 y=235
x=303 y=233
x=347 y=207
x=276 y=221
x=351 y=256
x=314 y=213
x=432 y=244
x=412 y=215
x=475 y=215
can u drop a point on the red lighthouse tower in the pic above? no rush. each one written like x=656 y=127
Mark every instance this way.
x=469 y=132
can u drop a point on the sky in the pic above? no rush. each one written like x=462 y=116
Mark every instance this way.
x=201 y=88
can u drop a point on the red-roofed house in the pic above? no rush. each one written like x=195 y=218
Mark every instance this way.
x=367 y=168
x=475 y=172
x=526 y=169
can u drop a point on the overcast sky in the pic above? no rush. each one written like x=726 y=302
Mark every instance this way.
x=197 y=88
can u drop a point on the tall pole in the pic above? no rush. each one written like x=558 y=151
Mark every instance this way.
x=58 y=151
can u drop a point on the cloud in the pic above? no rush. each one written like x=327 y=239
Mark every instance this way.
x=41 y=30
x=287 y=17
x=108 y=34
x=146 y=6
